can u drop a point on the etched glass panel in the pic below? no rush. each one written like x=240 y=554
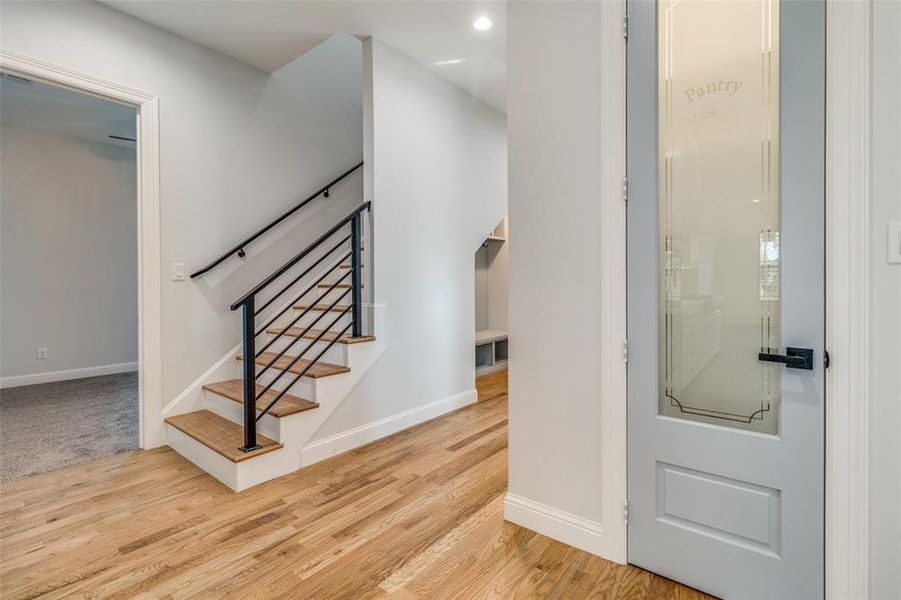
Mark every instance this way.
x=719 y=211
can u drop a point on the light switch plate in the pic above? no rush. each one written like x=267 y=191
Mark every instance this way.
x=894 y=243
x=178 y=271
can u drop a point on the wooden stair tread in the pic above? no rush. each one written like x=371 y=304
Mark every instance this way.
x=324 y=307
x=328 y=336
x=233 y=389
x=337 y=286
x=320 y=369
x=220 y=435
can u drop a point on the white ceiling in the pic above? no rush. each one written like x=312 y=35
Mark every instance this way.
x=269 y=34
x=50 y=109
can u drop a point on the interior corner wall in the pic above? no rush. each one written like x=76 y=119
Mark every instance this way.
x=557 y=194
x=439 y=184
x=238 y=146
x=885 y=305
x=482 y=291
x=491 y=281
x=68 y=229
x=498 y=282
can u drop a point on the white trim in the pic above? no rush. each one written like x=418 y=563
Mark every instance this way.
x=613 y=284
x=195 y=390
x=847 y=302
x=207 y=459
x=370 y=432
x=568 y=528
x=151 y=430
x=498 y=366
x=66 y=374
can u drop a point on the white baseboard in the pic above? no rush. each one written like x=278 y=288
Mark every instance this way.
x=51 y=376
x=359 y=436
x=554 y=523
x=499 y=366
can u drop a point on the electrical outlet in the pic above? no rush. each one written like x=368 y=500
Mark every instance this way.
x=894 y=243
x=178 y=271
x=41 y=353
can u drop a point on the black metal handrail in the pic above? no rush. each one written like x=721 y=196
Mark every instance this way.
x=238 y=250
x=300 y=256
x=247 y=303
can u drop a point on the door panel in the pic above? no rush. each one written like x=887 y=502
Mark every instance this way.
x=726 y=150
x=725 y=509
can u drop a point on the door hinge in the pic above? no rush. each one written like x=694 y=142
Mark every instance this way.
x=626 y=512
x=826 y=361
x=626 y=27
x=626 y=350
x=625 y=189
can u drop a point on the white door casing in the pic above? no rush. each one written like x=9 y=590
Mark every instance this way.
x=151 y=433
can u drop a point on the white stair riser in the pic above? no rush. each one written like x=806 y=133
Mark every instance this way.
x=212 y=462
x=305 y=388
x=238 y=476
x=234 y=411
x=324 y=322
x=328 y=296
x=337 y=354
x=338 y=274
x=343 y=295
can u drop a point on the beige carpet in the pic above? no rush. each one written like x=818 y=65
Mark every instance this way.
x=54 y=425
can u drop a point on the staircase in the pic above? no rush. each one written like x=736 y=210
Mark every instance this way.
x=304 y=347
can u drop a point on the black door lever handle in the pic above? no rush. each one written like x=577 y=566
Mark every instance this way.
x=794 y=358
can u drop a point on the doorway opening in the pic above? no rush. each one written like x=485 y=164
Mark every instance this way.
x=69 y=384
x=491 y=261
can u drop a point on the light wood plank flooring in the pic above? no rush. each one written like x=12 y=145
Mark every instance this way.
x=418 y=515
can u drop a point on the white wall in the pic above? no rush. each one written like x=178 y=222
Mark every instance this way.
x=438 y=184
x=237 y=146
x=558 y=191
x=498 y=282
x=885 y=306
x=68 y=213
x=481 y=288
x=492 y=269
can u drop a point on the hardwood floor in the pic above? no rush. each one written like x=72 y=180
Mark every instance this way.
x=418 y=515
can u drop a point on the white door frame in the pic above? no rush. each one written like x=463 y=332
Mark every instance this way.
x=149 y=321
x=847 y=302
x=847 y=283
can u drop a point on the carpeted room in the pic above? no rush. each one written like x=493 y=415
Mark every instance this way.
x=68 y=292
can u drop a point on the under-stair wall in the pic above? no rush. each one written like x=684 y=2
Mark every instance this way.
x=437 y=176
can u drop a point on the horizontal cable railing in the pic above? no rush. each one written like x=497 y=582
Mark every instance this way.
x=238 y=250
x=332 y=256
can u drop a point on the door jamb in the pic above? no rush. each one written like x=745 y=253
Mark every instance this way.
x=148 y=198
x=613 y=282
x=847 y=296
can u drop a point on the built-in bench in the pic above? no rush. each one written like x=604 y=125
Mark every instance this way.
x=491 y=351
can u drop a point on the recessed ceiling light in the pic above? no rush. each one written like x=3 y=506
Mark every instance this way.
x=452 y=61
x=483 y=23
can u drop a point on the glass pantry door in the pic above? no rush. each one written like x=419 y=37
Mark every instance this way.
x=726 y=140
